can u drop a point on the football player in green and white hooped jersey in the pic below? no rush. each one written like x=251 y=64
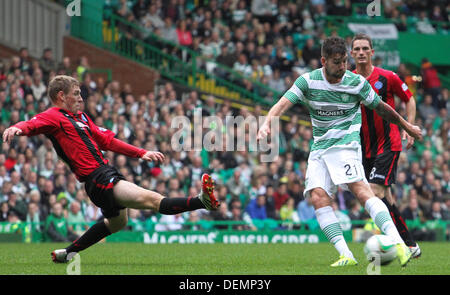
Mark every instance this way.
x=332 y=96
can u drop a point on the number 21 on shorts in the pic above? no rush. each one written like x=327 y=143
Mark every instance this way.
x=351 y=170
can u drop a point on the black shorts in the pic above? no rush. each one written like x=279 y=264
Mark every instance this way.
x=381 y=169
x=99 y=187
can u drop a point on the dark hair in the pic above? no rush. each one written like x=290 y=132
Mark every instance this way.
x=332 y=46
x=362 y=36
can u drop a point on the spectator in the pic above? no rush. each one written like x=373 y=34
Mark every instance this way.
x=34 y=217
x=221 y=215
x=83 y=66
x=238 y=216
x=17 y=205
x=438 y=212
x=281 y=196
x=307 y=214
x=413 y=212
x=65 y=67
x=170 y=223
x=423 y=25
x=288 y=213
x=75 y=219
x=236 y=187
x=4 y=210
x=224 y=58
x=431 y=81
x=140 y=8
x=183 y=34
x=357 y=214
x=134 y=220
x=256 y=208
x=25 y=59
x=193 y=222
x=47 y=63
x=38 y=87
x=56 y=227
x=427 y=111
x=169 y=31
x=153 y=16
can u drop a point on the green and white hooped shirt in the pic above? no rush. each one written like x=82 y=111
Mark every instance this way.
x=334 y=108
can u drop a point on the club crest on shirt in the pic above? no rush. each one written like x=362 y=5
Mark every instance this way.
x=84 y=118
x=378 y=85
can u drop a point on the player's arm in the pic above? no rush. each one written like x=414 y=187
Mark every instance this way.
x=371 y=100
x=106 y=141
x=389 y=114
x=277 y=110
x=39 y=124
x=411 y=118
x=402 y=91
x=294 y=95
x=121 y=147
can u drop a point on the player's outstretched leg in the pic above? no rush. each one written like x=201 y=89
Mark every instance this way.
x=380 y=215
x=93 y=235
x=205 y=199
x=331 y=228
x=130 y=195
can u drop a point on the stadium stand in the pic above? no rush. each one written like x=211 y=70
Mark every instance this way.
x=258 y=38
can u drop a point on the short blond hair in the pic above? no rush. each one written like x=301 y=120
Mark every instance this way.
x=61 y=83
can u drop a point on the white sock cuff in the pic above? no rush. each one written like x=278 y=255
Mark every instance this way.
x=373 y=203
x=325 y=216
x=323 y=211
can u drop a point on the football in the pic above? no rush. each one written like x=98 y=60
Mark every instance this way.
x=380 y=247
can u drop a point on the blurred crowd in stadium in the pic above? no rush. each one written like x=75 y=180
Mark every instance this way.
x=257 y=39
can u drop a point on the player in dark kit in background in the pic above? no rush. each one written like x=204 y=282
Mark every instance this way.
x=381 y=141
x=79 y=142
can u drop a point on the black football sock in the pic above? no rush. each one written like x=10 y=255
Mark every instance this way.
x=94 y=234
x=400 y=223
x=171 y=206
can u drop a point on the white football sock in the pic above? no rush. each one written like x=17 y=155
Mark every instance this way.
x=380 y=215
x=332 y=229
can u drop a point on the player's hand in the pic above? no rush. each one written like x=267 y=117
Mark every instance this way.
x=409 y=139
x=415 y=132
x=153 y=156
x=263 y=131
x=9 y=134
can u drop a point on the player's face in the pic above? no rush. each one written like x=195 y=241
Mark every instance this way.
x=362 y=52
x=335 y=66
x=73 y=99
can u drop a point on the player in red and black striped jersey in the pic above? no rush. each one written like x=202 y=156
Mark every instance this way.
x=382 y=141
x=79 y=142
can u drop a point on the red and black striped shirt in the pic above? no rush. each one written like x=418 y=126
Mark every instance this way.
x=377 y=135
x=76 y=139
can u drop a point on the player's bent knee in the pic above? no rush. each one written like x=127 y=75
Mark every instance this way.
x=319 y=198
x=117 y=224
x=152 y=200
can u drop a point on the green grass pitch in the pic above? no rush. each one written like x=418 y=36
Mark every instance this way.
x=213 y=259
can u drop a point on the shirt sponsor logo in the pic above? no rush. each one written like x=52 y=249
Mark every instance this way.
x=330 y=113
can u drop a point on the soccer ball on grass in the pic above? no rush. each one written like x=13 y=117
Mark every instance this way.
x=380 y=248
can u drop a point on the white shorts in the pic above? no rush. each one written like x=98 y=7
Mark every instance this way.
x=336 y=166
